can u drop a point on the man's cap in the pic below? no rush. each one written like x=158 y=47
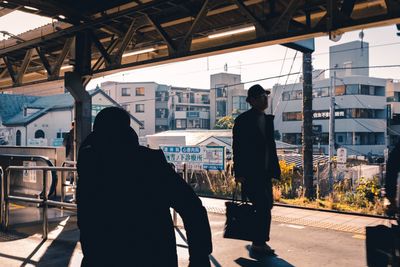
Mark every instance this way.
x=255 y=91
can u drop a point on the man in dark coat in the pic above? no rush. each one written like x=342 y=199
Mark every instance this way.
x=256 y=162
x=392 y=174
x=124 y=195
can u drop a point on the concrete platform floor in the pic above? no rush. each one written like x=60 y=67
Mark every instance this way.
x=300 y=237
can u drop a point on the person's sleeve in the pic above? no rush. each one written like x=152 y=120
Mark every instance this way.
x=238 y=148
x=276 y=168
x=392 y=171
x=194 y=215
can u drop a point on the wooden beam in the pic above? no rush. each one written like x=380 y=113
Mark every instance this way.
x=44 y=61
x=24 y=66
x=61 y=57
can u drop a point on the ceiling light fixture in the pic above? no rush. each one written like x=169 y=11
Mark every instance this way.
x=66 y=67
x=232 y=32
x=137 y=52
x=31 y=8
x=61 y=16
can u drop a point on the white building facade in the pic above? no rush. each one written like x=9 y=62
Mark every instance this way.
x=360 y=107
x=45 y=120
x=227 y=96
x=136 y=98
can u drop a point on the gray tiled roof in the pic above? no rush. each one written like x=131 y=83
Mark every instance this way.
x=14 y=110
x=44 y=103
x=11 y=105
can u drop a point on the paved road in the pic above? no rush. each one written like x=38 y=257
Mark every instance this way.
x=295 y=245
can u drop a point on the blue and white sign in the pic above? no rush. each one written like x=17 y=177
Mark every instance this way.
x=196 y=157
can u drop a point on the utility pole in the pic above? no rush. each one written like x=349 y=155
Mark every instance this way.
x=307 y=134
x=331 y=151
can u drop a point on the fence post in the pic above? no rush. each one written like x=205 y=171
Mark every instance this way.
x=318 y=173
x=185 y=173
x=6 y=201
x=45 y=218
x=1 y=198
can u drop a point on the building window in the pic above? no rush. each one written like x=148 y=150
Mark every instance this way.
x=220 y=91
x=125 y=92
x=18 y=138
x=139 y=108
x=139 y=91
x=352 y=89
x=285 y=96
x=320 y=92
x=162 y=96
x=291 y=116
x=340 y=90
x=221 y=108
x=162 y=113
x=62 y=134
x=39 y=134
x=205 y=99
x=292 y=138
x=180 y=124
x=239 y=103
x=143 y=126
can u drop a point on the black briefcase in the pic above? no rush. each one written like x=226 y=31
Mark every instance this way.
x=240 y=220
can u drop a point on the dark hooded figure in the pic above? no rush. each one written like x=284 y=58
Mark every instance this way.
x=124 y=195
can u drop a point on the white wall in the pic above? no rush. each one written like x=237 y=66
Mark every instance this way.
x=101 y=100
x=51 y=123
x=148 y=116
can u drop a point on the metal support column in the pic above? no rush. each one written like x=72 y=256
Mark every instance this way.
x=81 y=61
x=307 y=127
x=331 y=150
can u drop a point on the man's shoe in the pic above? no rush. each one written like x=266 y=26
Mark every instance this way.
x=262 y=249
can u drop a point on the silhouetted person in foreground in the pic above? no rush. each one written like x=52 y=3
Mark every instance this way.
x=392 y=172
x=124 y=195
x=256 y=162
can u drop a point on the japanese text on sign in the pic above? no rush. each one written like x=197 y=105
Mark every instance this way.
x=196 y=157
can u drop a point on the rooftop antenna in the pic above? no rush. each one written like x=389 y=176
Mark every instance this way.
x=361 y=35
x=226 y=67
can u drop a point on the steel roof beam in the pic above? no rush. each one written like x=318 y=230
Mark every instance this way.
x=60 y=59
x=260 y=28
x=44 y=60
x=10 y=69
x=184 y=45
x=100 y=47
x=163 y=34
x=24 y=66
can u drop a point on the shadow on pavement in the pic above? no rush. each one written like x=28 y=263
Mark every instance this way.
x=61 y=249
x=262 y=260
x=267 y=261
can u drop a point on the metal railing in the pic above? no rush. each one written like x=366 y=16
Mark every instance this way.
x=70 y=184
x=43 y=201
x=1 y=196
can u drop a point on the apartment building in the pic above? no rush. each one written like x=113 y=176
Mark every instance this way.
x=360 y=105
x=227 y=96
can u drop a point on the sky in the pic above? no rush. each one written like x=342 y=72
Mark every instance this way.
x=253 y=64
x=269 y=61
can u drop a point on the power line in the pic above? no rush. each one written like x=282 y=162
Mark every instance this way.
x=290 y=70
x=273 y=60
